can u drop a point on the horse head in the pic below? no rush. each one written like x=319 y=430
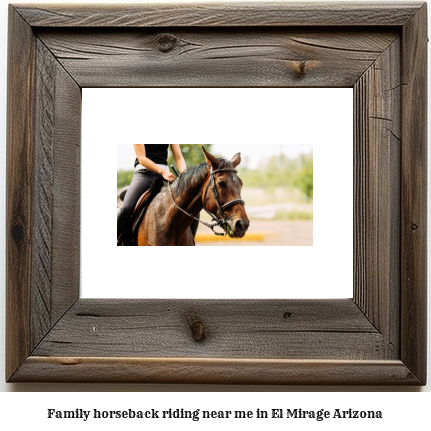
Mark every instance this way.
x=225 y=200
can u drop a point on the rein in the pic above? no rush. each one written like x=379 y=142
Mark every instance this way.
x=217 y=221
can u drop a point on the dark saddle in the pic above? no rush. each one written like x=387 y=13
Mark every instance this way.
x=129 y=234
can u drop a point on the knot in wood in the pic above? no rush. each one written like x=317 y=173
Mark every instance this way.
x=414 y=226
x=300 y=69
x=197 y=328
x=18 y=233
x=167 y=42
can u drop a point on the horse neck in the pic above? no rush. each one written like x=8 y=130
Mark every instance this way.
x=191 y=200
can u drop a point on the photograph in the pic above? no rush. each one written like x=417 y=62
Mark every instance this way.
x=250 y=195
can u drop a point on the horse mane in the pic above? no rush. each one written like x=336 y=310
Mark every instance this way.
x=194 y=175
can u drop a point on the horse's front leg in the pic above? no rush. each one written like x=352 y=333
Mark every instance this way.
x=152 y=231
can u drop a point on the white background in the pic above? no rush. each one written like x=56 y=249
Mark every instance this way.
x=321 y=117
x=404 y=409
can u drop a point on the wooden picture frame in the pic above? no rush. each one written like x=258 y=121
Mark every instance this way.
x=378 y=337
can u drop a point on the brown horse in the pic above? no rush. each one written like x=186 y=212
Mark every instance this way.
x=213 y=186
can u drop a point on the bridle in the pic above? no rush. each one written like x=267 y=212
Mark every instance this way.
x=220 y=219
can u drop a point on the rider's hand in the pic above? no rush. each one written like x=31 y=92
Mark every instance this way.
x=168 y=176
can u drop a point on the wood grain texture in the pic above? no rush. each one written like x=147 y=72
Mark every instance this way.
x=55 y=285
x=234 y=329
x=377 y=146
x=414 y=195
x=44 y=195
x=215 y=371
x=220 y=15
x=67 y=194
x=215 y=57
x=20 y=197
x=43 y=191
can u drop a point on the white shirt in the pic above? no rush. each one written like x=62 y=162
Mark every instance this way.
x=139 y=167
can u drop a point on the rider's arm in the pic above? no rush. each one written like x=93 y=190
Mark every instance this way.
x=178 y=156
x=149 y=164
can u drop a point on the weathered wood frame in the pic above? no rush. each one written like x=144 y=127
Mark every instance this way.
x=378 y=337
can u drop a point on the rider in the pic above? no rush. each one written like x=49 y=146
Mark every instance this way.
x=151 y=161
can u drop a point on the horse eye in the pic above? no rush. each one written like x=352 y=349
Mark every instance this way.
x=221 y=184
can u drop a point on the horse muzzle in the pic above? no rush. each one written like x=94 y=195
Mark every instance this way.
x=237 y=227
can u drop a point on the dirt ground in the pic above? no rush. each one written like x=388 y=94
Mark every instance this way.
x=264 y=233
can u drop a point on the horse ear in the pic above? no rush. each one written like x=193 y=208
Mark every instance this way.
x=211 y=160
x=236 y=159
